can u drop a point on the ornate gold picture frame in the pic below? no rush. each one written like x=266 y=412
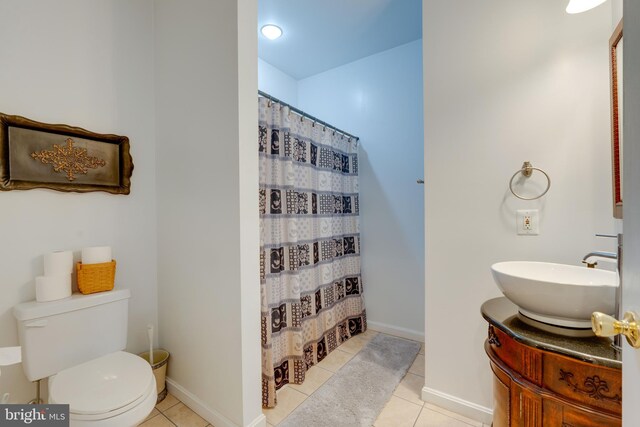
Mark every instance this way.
x=62 y=158
x=615 y=70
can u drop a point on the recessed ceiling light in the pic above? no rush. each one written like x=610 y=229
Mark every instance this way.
x=271 y=31
x=579 y=6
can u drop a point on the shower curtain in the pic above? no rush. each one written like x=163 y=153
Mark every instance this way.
x=310 y=281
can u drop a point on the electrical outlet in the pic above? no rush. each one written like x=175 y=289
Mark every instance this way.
x=527 y=222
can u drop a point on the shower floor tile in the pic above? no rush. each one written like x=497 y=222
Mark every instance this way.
x=314 y=378
x=288 y=400
x=336 y=360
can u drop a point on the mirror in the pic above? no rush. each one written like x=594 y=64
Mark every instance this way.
x=615 y=65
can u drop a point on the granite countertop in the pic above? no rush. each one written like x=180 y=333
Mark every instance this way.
x=503 y=314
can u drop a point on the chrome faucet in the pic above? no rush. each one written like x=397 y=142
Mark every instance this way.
x=600 y=254
x=617 y=340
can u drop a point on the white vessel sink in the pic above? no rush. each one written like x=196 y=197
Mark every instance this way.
x=557 y=294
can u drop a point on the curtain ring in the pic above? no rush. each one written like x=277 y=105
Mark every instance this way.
x=301 y=119
x=334 y=133
x=313 y=124
x=324 y=128
x=269 y=103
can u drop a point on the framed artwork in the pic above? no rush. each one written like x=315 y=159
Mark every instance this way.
x=615 y=69
x=62 y=158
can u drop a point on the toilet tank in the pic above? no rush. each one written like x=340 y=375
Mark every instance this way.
x=60 y=334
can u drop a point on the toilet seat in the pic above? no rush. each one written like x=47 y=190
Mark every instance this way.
x=104 y=387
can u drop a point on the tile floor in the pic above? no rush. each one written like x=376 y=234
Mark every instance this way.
x=171 y=413
x=405 y=408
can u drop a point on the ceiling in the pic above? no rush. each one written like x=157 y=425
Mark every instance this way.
x=322 y=34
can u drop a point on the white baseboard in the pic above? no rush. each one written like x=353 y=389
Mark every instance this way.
x=261 y=421
x=455 y=404
x=396 y=331
x=209 y=414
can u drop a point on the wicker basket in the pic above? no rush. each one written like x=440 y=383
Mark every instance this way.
x=94 y=278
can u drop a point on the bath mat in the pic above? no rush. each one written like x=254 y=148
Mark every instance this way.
x=356 y=394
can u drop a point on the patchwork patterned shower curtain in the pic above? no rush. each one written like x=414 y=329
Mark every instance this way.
x=310 y=280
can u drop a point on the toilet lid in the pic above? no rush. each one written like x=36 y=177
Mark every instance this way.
x=102 y=385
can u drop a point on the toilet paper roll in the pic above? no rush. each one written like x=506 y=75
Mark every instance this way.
x=96 y=255
x=51 y=288
x=58 y=263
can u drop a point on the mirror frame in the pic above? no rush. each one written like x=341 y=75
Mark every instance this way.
x=615 y=122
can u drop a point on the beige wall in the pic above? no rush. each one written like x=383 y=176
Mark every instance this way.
x=87 y=64
x=180 y=80
x=208 y=277
x=505 y=82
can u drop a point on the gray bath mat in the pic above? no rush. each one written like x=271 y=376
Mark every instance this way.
x=356 y=394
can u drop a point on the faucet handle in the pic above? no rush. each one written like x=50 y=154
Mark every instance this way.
x=610 y=236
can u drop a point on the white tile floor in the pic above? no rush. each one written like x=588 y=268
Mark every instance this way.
x=171 y=413
x=405 y=408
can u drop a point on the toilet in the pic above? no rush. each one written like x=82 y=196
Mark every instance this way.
x=77 y=343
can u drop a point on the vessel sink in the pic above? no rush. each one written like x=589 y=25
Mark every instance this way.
x=557 y=294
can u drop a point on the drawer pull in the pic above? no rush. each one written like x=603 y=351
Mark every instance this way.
x=493 y=338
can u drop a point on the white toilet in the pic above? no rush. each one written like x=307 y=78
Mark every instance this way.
x=77 y=343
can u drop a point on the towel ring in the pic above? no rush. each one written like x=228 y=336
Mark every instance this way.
x=527 y=171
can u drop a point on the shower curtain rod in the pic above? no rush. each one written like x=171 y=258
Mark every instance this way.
x=303 y=114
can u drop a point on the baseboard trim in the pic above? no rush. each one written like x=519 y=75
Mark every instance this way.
x=261 y=421
x=396 y=331
x=209 y=414
x=455 y=404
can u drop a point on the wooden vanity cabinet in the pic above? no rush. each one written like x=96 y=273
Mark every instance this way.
x=538 y=388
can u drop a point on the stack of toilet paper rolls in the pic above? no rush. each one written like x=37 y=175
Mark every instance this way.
x=58 y=268
x=56 y=282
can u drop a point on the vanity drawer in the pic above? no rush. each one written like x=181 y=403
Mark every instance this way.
x=526 y=361
x=589 y=384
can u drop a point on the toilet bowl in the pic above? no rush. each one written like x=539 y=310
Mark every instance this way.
x=77 y=344
x=115 y=390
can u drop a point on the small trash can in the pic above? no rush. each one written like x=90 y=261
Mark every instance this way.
x=159 y=367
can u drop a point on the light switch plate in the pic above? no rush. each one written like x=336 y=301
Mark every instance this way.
x=528 y=222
